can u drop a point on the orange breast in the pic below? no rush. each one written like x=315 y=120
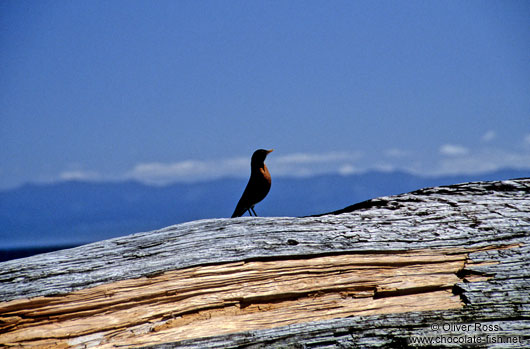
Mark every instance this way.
x=265 y=172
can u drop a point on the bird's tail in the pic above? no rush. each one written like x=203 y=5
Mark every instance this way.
x=238 y=212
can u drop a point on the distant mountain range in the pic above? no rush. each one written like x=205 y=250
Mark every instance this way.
x=73 y=213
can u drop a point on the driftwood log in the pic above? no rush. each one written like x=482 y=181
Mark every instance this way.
x=445 y=266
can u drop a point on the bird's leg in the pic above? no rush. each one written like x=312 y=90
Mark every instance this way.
x=252 y=208
x=249 y=212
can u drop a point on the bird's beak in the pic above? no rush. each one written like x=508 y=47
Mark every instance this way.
x=270 y=151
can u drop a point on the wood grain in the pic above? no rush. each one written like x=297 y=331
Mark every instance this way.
x=375 y=273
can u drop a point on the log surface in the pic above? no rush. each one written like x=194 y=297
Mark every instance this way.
x=376 y=273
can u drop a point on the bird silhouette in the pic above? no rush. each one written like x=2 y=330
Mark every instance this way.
x=258 y=185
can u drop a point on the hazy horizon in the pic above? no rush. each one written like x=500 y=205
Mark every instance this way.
x=76 y=212
x=282 y=176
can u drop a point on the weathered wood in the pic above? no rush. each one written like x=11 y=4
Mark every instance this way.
x=251 y=295
x=376 y=273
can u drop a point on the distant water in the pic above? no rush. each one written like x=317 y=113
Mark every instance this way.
x=39 y=218
x=9 y=254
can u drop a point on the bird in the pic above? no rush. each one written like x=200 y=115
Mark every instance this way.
x=258 y=185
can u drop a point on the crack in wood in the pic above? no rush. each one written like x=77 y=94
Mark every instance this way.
x=371 y=277
x=228 y=297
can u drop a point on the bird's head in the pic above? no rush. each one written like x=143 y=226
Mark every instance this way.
x=258 y=158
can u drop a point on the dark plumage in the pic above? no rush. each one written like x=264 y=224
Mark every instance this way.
x=258 y=185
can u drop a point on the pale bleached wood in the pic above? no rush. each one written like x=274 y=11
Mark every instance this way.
x=425 y=219
x=193 y=302
x=492 y=218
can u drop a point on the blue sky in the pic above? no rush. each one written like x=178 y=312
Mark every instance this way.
x=162 y=91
